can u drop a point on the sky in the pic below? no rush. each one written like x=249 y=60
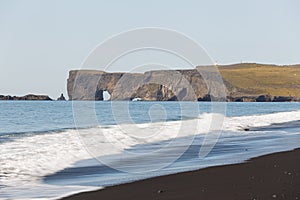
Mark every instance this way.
x=40 y=41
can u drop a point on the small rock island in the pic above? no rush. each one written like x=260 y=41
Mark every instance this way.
x=61 y=98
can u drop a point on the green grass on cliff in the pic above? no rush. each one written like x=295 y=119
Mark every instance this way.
x=256 y=79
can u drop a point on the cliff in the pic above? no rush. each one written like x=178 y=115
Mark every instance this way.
x=167 y=85
x=243 y=82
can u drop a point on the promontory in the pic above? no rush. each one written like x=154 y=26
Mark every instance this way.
x=244 y=82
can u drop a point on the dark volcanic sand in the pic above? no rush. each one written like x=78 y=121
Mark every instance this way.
x=274 y=176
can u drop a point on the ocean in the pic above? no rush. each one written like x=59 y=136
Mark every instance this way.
x=51 y=149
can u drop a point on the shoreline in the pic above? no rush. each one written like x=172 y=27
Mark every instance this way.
x=242 y=99
x=272 y=176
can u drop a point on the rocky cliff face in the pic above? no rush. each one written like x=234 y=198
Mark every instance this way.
x=169 y=85
x=183 y=85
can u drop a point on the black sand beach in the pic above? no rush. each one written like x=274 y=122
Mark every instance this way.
x=274 y=176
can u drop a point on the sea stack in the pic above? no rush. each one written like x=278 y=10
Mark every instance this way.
x=61 y=98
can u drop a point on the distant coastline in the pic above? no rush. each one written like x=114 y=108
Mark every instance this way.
x=261 y=98
x=30 y=97
x=244 y=82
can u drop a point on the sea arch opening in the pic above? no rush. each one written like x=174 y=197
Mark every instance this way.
x=102 y=95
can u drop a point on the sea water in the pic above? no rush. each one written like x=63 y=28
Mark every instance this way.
x=52 y=149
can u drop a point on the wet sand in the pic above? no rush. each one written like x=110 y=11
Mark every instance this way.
x=274 y=176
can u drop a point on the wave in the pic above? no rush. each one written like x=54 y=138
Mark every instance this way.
x=26 y=160
x=240 y=123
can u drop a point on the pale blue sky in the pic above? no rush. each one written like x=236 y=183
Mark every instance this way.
x=40 y=41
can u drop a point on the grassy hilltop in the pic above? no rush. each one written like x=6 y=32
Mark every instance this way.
x=256 y=79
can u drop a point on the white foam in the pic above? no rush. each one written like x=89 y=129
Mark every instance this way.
x=27 y=159
x=239 y=123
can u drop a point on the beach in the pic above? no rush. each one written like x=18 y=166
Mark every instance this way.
x=273 y=176
x=57 y=164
